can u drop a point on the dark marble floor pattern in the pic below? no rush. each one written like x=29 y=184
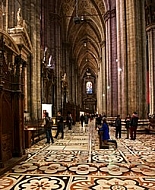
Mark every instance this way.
x=77 y=163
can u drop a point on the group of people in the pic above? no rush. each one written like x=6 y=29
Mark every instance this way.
x=60 y=125
x=131 y=123
x=84 y=119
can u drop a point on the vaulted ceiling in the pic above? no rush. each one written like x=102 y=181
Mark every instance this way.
x=84 y=23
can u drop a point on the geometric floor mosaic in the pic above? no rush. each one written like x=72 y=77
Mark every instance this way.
x=77 y=163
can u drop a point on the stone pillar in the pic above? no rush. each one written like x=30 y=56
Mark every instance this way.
x=38 y=61
x=150 y=28
x=59 y=70
x=33 y=15
x=99 y=91
x=73 y=82
x=151 y=60
x=1 y=16
x=66 y=61
x=76 y=86
x=6 y=12
x=104 y=80
x=111 y=69
x=131 y=54
x=1 y=93
x=122 y=58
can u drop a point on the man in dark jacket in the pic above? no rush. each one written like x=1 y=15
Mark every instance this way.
x=47 y=128
x=60 y=125
x=69 y=121
x=118 y=127
x=133 y=125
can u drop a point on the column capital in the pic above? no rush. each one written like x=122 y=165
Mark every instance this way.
x=150 y=13
x=150 y=27
x=110 y=14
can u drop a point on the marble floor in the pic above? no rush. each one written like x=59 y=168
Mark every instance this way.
x=77 y=163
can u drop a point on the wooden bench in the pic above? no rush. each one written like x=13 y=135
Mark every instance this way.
x=111 y=143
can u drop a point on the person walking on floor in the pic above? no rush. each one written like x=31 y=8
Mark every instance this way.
x=86 y=119
x=118 y=127
x=60 y=125
x=69 y=121
x=48 y=128
x=82 y=119
x=133 y=125
x=127 y=125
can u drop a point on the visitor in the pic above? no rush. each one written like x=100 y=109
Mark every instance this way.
x=133 y=125
x=82 y=119
x=60 y=125
x=48 y=127
x=118 y=127
x=104 y=131
x=127 y=125
x=69 y=121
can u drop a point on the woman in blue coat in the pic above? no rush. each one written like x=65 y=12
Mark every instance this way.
x=104 y=131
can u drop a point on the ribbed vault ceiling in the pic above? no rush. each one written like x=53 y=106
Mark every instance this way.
x=86 y=37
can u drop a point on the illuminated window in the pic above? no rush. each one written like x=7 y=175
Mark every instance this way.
x=89 y=89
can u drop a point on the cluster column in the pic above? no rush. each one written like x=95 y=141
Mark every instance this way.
x=151 y=68
x=111 y=68
x=131 y=53
x=150 y=28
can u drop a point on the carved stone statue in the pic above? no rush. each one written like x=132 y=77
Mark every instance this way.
x=64 y=80
x=19 y=18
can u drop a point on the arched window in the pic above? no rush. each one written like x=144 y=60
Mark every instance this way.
x=89 y=89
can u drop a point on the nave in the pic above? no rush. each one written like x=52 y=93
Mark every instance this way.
x=77 y=163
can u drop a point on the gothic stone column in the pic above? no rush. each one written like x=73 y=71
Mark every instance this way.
x=33 y=18
x=1 y=91
x=150 y=28
x=1 y=16
x=131 y=51
x=151 y=60
x=112 y=80
x=122 y=58
x=104 y=79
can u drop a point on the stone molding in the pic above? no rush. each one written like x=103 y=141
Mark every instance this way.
x=109 y=14
x=150 y=27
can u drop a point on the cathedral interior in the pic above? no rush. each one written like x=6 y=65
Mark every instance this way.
x=76 y=56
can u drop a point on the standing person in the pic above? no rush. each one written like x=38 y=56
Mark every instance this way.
x=60 y=125
x=69 y=121
x=47 y=128
x=127 y=124
x=104 y=132
x=118 y=126
x=98 y=121
x=82 y=119
x=86 y=119
x=133 y=125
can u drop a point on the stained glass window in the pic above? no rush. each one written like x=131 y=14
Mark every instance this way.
x=89 y=89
